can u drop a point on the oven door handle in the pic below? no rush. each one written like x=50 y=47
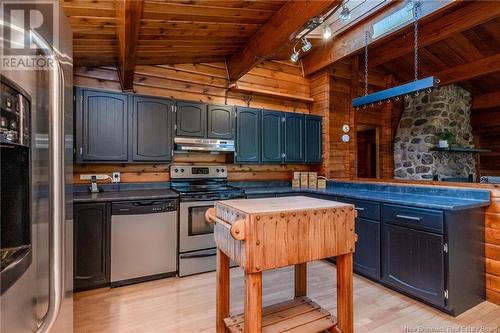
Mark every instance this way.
x=196 y=255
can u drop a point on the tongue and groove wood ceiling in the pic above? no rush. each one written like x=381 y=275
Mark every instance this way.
x=170 y=31
x=455 y=38
x=153 y=32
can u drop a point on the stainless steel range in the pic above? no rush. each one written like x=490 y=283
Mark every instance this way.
x=199 y=187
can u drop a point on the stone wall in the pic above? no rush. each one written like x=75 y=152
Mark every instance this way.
x=424 y=116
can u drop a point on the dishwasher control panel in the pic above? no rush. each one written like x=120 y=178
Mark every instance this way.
x=143 y=207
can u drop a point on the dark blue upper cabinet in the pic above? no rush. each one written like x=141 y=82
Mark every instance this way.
x=102 y=126
x=272 y=136
x=247 y=135
x=313 y=138
x=294 y=138
x=152 y=130
x=191 y=119
x=220 y=122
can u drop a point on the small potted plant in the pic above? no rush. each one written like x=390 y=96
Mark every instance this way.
x=445 y=138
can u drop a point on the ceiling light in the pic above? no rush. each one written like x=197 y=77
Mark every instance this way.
x=306 y=46
x=327 y=32
x=295 y=56
x=345 y=14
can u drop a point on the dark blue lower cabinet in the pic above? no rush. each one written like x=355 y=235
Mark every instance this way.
x=367 y=255
x=413 y=262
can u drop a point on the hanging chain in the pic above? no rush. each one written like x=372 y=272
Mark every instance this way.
x=415 y=37
x=366 y=62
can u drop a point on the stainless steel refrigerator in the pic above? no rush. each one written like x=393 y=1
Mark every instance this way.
x=36 y=141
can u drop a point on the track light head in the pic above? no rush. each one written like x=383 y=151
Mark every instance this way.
x=327 y=32
x=345 y=14
x=306 y=45
x=294 y=57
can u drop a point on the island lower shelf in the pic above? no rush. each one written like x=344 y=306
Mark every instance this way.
x=300 y=314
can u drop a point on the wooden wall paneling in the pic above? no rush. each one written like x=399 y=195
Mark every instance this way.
x=205 y=82
x=320 y=91
x=353 y=144
x=340 y=105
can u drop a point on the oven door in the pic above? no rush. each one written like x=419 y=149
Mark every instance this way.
x=194 y=232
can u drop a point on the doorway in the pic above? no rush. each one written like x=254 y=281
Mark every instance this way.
x=368 y=151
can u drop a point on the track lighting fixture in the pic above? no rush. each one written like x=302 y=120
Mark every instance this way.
x=306 y=45
x=295 y=56
x=327 y=32
x=345 y=14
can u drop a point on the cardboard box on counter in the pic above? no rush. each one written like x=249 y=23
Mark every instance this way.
x=313 y=179
x=304 y=179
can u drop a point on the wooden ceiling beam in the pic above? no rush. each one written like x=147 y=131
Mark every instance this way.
x=276 y=33
x=353 y=40
x=129 y=14
x=470 y=70
x=486 y=101
x=464 y=18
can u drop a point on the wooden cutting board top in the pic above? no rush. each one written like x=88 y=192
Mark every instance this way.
x=282 y=204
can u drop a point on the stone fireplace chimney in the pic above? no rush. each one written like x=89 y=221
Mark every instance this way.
x=447 y=108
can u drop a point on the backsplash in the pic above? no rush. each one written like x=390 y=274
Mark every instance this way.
x=424 y=116
x=151 y=172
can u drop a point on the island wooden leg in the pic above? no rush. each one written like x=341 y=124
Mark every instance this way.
x=253 y=302
x=222 y=291
x=301 y=280
x=344 y=294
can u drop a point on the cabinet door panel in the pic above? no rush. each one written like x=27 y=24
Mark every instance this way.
x=220 y=122
x=191 y=119
x=152 y=129
x=294 y=138
x=104 y=126
x=248 y=135
x=272 y=136
x=91 y=245
x=413 y=261
x=313 y=139
x=367 y=255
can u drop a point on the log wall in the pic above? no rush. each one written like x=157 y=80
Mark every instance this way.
x=492 y=239
x=333 y=90
x=206 y=83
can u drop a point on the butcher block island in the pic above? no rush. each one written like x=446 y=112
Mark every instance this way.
x=265 y=234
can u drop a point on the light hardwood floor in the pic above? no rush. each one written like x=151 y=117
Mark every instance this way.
x=188 y=305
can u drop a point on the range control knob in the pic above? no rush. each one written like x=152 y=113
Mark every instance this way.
x=176 y=170
x=217 y=170
x=182 y=170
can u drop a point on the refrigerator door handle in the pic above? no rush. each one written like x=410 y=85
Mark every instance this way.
x=56 y=189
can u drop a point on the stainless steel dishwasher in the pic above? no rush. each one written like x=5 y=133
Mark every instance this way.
x=143 y=241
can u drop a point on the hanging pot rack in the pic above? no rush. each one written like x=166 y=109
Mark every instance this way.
x=414 y=88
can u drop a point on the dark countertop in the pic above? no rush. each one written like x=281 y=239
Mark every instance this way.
x=458 y=202
x=124 y=195
x=419 y=196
